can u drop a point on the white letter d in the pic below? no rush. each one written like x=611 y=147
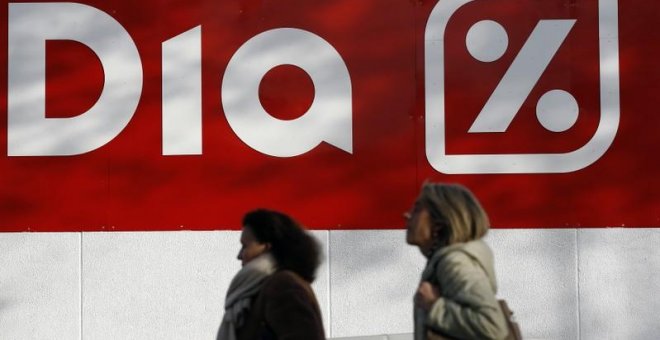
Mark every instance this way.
x=30 y=133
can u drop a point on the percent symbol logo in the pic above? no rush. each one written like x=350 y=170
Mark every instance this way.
x=557 y=110
x=487 y=41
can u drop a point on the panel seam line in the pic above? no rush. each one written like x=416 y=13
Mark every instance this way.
x=329 y=287
x=80 y=282
x=577 y=280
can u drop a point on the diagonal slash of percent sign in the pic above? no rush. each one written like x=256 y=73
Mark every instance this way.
x=522 y=76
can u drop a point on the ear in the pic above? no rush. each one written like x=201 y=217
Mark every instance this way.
x=267 y=246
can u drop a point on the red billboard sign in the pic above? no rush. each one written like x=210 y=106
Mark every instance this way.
x=169 y=115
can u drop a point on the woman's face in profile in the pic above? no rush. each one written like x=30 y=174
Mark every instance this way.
x=250 y=247
x=418 y=227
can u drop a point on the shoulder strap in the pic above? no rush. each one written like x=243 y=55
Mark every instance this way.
x=514 y=328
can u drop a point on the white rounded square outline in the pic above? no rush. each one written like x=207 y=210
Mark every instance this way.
x=518 y=163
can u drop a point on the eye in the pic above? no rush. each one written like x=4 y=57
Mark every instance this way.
x=413 y=210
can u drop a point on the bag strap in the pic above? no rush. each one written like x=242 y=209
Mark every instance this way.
x=512 y=325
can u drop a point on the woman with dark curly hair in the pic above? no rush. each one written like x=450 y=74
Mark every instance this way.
x=271 y=296
x=456 y=296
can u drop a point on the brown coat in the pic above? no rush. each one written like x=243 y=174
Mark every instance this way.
x=285 y=309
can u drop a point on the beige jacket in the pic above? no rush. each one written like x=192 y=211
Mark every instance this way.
x=467 y=307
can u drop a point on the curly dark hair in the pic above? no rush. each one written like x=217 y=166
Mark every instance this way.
x=291 y=246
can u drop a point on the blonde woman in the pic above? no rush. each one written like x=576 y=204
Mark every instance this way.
x=456 y=296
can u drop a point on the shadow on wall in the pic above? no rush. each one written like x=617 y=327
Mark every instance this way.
x=4 y=307
x=535 y=265
x=379 y=257
x=622 y=276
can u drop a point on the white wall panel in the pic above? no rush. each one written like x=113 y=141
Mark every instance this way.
x=321 y=285
x=405 y=336
x=619 y=283
x=171 y=285
x=40 y=286
x=163 y=285
x=373 y=275
x=537 y=275
x=156 y=285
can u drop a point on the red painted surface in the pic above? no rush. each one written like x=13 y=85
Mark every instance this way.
x=129 y=185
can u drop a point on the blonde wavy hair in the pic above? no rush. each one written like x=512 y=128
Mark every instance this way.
x=456 y=214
